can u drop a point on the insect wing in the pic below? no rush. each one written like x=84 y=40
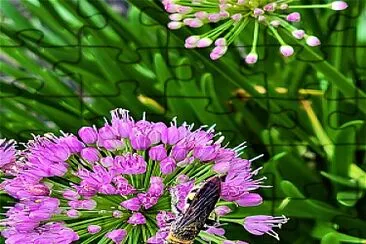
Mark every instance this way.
x=202 y=205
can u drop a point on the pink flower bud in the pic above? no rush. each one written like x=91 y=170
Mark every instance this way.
x=258 y=11
x=137 y=219
x=193 y=23
x=236 y=17
x=106 y=132
x=117 y=214
x=249 y=200
x=167 y=166
x=184 y=10
x=221 y=167
x=339 y=5
x=286 y=50
x=158 y=153
x=90 y=154
x=251 y=58
x=88 y=135
x=220 y=42
x=117 y=235
x=171 y=7
x=216 y=231
x=70 y=195
x=294 y=17
x=201 y=15
x=132 y=204
x=72 y=213
x=88 y=204
x=270 y=7
x=224 y=14
x=72 y=143
x=179 y=152
x=92 y=229
x=112 y=145
x=222 y=210
x=312 y=41
x=220 y=50
x=107 y=161
x=298 y=34
x=174 y=25
x=182 y=178
x=192 y=41
x=214 y=18
x=204 y=42
x=214 y=56
x=175 y=17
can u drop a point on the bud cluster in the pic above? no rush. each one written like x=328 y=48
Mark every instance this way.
x=233 y=16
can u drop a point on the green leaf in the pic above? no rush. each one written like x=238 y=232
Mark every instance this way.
x=345 y=147
x=349 y=198
x=290 y=190
x=340 y=180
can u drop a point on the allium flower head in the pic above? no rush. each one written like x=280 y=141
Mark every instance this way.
x=234 y=16
x=72 y=188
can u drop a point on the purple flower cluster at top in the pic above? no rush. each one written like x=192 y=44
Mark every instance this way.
x=125 y=172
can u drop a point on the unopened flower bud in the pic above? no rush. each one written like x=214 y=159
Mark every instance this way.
x=294 y=17
x=88 y=135
x=339 y=5
x=287 y=50
x=312 y=41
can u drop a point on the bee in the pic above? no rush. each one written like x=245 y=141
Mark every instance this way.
x=200 y=205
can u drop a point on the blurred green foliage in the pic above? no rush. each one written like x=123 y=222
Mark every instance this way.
x=65 y=64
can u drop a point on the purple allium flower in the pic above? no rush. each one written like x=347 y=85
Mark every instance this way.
x=233 y=17
x=146 y=179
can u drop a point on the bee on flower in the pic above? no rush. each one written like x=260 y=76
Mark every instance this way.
x=131 y=182
x=234 y=16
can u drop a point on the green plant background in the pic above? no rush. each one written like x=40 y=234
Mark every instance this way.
x=65 y=64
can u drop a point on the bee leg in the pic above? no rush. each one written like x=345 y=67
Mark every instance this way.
x=213 y=220
x=210 y=223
